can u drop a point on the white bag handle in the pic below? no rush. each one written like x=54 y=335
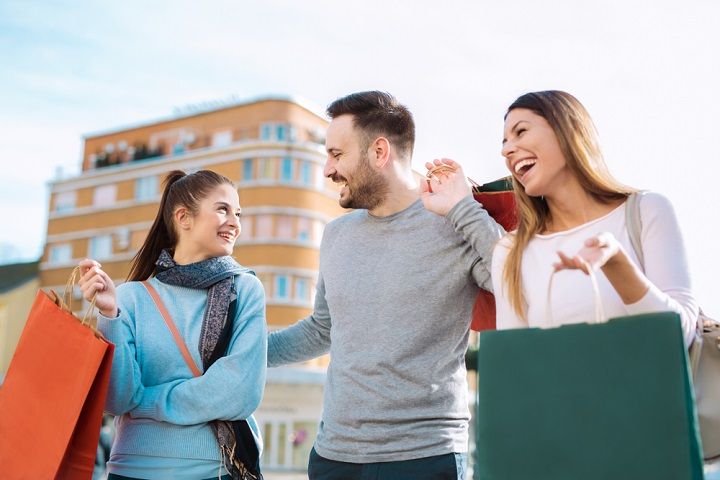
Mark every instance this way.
x=634 y=226
x=599 y=310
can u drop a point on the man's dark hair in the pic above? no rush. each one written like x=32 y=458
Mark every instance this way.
x=378 y=114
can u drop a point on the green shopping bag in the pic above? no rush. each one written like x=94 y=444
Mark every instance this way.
x=604 y=401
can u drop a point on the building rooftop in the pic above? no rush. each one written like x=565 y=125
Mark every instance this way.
x=205 y=108
x=16 y=274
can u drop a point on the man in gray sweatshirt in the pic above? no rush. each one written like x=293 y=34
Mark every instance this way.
x=394 y=298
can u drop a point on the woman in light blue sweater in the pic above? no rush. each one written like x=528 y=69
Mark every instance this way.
x=184 y=404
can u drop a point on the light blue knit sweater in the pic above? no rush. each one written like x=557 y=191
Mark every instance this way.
x=162 y=410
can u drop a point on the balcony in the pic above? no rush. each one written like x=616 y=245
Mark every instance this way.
x=171 y=143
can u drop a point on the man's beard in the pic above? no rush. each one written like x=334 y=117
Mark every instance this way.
x=367 y=189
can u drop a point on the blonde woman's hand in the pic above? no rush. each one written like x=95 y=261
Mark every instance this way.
x=595 y=254
x=444 y=186
x=95 y=282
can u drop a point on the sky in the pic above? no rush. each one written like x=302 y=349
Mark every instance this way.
x=647 y=71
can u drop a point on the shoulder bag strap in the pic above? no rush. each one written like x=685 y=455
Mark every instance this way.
x=173 y=329
x=633 y=221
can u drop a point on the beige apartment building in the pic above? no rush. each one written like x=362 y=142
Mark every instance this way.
x=18 y=287
x=273 y=149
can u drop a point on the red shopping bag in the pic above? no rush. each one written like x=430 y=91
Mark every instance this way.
x=52 y=400
x=499 y=200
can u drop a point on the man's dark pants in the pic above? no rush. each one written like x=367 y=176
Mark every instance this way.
x=450 y=466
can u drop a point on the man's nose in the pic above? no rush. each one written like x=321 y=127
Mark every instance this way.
x=329 y=169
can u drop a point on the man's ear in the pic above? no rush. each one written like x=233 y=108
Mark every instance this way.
x=182 y=218
x=380 y=152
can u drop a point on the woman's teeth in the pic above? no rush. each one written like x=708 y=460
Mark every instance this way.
x=522 y=164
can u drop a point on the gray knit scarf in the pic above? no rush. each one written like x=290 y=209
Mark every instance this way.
x=217 y=276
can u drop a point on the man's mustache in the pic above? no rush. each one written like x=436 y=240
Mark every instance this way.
x=338 y=179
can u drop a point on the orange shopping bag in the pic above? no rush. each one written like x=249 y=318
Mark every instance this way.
x=52 y=401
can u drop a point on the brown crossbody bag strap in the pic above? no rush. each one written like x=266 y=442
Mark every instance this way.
x=173 y=329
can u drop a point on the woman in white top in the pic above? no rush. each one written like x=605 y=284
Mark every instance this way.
x=572 y=218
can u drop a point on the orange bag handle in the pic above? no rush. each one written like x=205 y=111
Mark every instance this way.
x=173 y=329
x=65 y=302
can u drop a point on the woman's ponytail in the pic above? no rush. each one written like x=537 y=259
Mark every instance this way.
x=161 y=235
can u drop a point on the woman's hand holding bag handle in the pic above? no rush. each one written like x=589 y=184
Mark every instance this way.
x=96 y=284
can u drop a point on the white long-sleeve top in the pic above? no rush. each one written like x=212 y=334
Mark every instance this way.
x=572 y=296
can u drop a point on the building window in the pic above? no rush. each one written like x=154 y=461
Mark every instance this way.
x=222 y=139
x=281 y=287
x=246 y=225
x=122 y=238
x=146 y=188
x=282 y=132
x=60 y=253
x=285 y=227
x=301 y=289
x=319 y=179
x=266 y=168
x=263 y=226
x=100 y=247
x=316 y=135
x=269 y=168
x=303 y=229
x=306 y=173
x=287 y=443
x=247 y=169
x=178 y=148
x=104 y=195
x=286 y=169
x=65 y=201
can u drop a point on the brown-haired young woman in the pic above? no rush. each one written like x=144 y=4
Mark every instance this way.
x=172 y=421
x=572 y=216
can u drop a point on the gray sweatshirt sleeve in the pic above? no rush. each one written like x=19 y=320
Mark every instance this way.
x=309 y=338
x=479 y=229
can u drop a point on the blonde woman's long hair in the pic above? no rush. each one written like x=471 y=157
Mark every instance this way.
x=579 y=144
